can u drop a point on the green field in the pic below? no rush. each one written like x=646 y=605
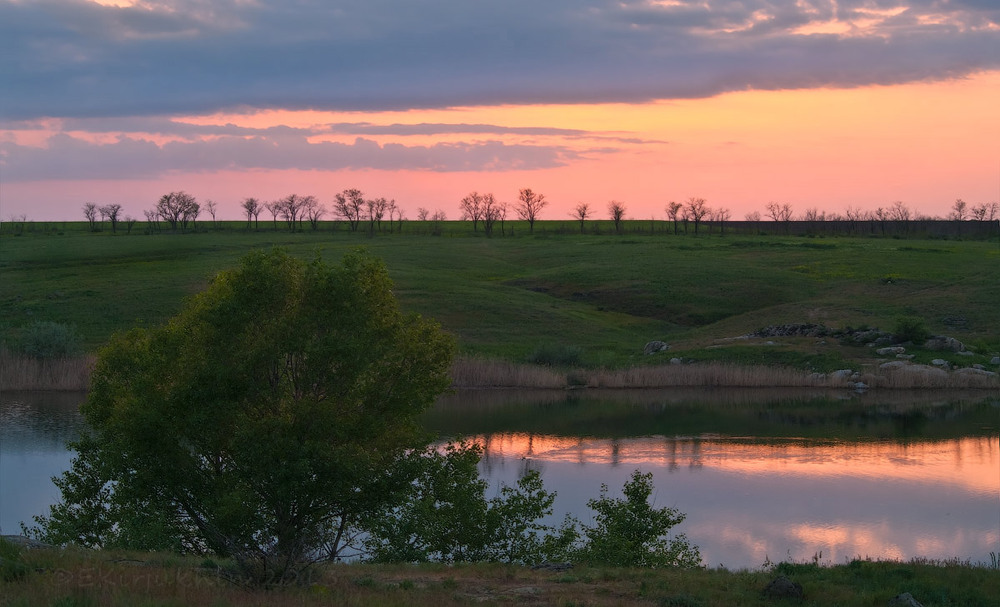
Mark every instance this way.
x=555 y=296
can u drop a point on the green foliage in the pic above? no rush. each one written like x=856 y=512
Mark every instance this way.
x=912 y=329
x=259 y=422
x=447 y=518
x=630 y=532
x=45 y=340
x=11 y=566
x=555 y=355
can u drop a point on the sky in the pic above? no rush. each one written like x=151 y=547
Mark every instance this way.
x=820 y=104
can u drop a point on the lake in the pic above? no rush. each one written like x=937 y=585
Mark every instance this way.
x=763 y=476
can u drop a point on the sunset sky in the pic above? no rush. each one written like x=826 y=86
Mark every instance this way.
x=821 y=104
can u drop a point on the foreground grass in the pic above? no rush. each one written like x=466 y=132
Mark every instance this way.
x=553 y=298
x=80 y=578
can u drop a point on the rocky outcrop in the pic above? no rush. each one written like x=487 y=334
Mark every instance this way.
x=655 y=346
x=943 y=343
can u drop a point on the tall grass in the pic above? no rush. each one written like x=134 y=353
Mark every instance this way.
x=18 y=372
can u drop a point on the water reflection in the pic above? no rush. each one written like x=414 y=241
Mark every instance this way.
x=760 y=474
x=749 y=501
x=34 y=429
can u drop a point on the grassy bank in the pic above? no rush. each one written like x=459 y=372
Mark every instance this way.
x=555 y=299
x=81 y=579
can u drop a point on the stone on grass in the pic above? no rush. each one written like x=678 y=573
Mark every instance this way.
x=903 y=600
x=944 y=343
x=783 y=588
x=890 y=350
x=655 y=346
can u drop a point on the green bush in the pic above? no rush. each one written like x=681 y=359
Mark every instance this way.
x=45 y=340
x=912 y=329
x=555 y=355
x=11 y=567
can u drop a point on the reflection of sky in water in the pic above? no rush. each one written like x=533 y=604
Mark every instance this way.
x=747 y=500
x=791 y=499
x=33 y=434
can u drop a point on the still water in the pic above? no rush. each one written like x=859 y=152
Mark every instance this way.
x=761 y=476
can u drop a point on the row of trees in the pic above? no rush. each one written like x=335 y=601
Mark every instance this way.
x=180 y=210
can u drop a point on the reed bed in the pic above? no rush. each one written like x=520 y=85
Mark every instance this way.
x=904 y=377
x=23 y=373
x=708 y=375
x=489 y=373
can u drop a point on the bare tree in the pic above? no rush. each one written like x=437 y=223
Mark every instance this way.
x=152 y=220
x=313 y=211
x=899 y=211
x=177 y=208
x=348 y=205
x=721 y=216
x=274 y=207
x=375 y=209
x=752 y=216
x=780 y=212
x=529 y=205
x=211 y=207
x=129 y=222
x=673 y=212
x=90 y=212
x=422 y=214
x=291 y=208
x=581 y=212
x=492 y=210
x=696 y=210
x=111 y=212
x=616 y=210
x=252 y=207
x=814 y=215
x=959 y=210
x=472 y=208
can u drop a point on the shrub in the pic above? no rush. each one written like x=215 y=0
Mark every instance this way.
x=912 y=329
x=555 y=355
x=46 y=340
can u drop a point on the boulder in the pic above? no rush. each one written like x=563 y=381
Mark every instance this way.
x=890 y=351
x=995 y=360
x=943 y=343
x=842 y=374
x=895 y=365
x=975 y=372
x=903 y=600
x=939 y=362
x=676 y=361
x=655 y=346
x=783 y=588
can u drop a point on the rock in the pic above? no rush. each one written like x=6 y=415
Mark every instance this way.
x=995 y=360
x=939 y=362
x=860 y=386
x=676 y=361
x=975 y=372
x=655 y=346
x=547 y=566
x=792 y=330
x=783 y=588
x=905 y=356
x=883 y=341
x=842 y=374
x=903 y=600
x=890 y=351
x=894 y=365
x=25 y=542
x=979 y=366
x=943 y=343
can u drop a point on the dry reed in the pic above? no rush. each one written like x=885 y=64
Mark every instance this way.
x=486 y=373
x=23 y=373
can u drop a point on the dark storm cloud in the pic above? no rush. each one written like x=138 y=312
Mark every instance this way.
x=72 y=58
x=68 y=157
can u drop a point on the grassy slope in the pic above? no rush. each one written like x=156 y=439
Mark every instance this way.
x=83 y=579
x=606 y=295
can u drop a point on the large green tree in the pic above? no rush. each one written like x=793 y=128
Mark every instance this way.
x=259 y=422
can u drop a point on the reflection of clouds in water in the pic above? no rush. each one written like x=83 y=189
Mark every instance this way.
x=753 y=500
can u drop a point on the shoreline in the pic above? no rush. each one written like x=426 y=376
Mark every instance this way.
x=18 y=373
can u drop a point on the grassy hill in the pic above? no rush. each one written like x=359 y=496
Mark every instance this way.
x=556 y=296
